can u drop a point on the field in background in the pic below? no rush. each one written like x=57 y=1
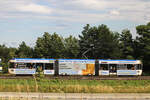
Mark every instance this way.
x=74 y=86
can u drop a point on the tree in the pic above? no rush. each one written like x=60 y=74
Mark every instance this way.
x=71 y=47
x=24 y=51
x=12 y=53
x=100 y=42
x=57 y=46
x=4 y=53
x=144 y=43
x=42 y=46
x=49 y=46
x=126 y=44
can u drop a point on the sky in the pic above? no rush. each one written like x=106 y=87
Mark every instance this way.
x=26 y=20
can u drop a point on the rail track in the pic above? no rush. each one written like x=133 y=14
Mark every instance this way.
x=81 y=77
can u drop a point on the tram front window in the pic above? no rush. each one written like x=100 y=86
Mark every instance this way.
x=139 y=66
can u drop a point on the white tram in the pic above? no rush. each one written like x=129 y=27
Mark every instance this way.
x=29 y=66
x=120 y=67
x=75 y=67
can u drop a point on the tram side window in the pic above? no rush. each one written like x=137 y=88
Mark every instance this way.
x=131 y=66
x=17 y=65
x=103 y=67
x=113 y=67
x=121 y=67
x=49 y=66
x=20 y=65
x=39 y=66
x=30 y=65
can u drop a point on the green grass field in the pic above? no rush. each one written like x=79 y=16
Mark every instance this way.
x=75 y=86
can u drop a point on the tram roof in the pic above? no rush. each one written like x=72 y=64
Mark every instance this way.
x=120 y=61
x=32 y=60
x=79 y=59
x=116 y=60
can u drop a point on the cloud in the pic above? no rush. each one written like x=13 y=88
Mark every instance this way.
x=60 y=15
x=34 y=8
x=114 y=12
x=133 y=10
x=22 y=8
x=91 y=4
x=77 y=10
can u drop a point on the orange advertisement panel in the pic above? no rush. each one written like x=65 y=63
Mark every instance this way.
x=90 y=69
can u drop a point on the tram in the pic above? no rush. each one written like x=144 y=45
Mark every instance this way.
x=120 y=67
x=75 y=67
x=31 y=66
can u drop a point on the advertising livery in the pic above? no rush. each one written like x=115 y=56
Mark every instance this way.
x=76 y=67
x=31 y=66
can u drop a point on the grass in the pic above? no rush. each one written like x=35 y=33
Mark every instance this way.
x=74 y=86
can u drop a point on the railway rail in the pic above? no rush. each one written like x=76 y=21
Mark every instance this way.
x=81 y=77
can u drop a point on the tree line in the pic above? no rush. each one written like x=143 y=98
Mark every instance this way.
x=94 y=42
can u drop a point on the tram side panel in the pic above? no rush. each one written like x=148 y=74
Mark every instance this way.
x=120 y=67
x=130 y=67
x=76 y=67
x=25 y=66
x=16 y=66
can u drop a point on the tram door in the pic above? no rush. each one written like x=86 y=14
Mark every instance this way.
x=113 y=69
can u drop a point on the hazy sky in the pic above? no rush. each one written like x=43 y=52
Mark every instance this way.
x=25 y=20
